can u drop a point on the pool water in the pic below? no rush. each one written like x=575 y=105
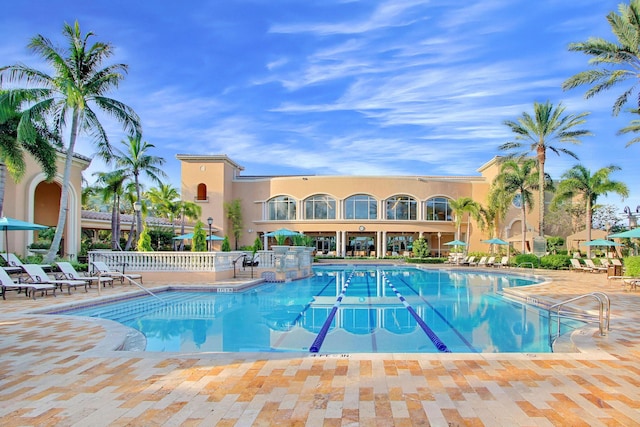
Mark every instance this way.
x=361 y=309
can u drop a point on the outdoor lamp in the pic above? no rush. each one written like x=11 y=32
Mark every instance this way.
x=210 y=222
x=137 y=206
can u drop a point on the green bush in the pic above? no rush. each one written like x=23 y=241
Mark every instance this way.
x=632 y=265
x=527 y=258
x=555 y=262
x=421 y=248
x=226 y=246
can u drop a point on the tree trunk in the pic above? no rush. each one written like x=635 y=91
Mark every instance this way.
x=588 y=222
x=138 y=213
x=541 y=160
x=524 y=228
x=64 y=196
x=3 y=182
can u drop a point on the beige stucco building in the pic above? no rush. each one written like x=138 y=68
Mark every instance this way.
x=35 y=200
x=359 y=215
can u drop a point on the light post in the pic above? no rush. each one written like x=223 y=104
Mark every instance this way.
x=210 y=222
x=137 y=207
x=439 y=236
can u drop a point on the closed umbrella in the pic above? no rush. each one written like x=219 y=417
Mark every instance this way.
x=7 y=224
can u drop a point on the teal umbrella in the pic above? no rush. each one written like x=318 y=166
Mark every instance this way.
x=455 y=243
x=282 y=232
x=189 y=236
x=7 y=224
x=600 y=242
x=627 y=234
x=495 y=241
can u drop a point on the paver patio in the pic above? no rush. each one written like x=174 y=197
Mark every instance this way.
x=63 y=371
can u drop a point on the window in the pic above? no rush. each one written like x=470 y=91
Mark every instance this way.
x=360 y=206
x=282 y=208
x=320 y=207
x=401 y=208
x=202 y=192
x=438 y=209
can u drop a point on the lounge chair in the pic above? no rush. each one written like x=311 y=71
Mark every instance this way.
x=68 y=272
x=481 y=263
x=469 y=261
x=248 y=261
x=7 y=283
x=616 y=261
x=491 y=261
x=13 y=261
x=38 y=276
x=102 y=268
x=504 y=262
x=576 y=266
x=594 y=268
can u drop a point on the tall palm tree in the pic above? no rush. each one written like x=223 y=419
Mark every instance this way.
x=580 y=182
x=18 y=136
x=165 y=201
x=460 y=206
x=66 y=98
x=498 y=202
x=135 y=161
x=188 y=210
x=109 y=185
x=615 y=62
x=519 y=178
x=539 y=133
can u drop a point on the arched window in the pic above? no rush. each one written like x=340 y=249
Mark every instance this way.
x=281 y=208
x=320 y=207
x=401 y=208
x=438 y=209
x=360 y=206
x=202 y=192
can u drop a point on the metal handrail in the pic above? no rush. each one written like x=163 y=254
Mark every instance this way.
x=130 y=281
x=234 y=262
x=526 y=263
x=604 y=313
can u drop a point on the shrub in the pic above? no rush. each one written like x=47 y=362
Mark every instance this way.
x=527 y=258
x=426 y=260
x=421 y=248
x=555 y=262
x=632 y=265
x=226 y=246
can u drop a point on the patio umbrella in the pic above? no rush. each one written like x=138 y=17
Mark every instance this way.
x=600 y=242
x=455 y=243
x=189 y=236
x=627 y=234
x=282 y=232
x=495 y=241
x=7 y=224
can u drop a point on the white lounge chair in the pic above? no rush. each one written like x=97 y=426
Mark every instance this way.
x=491 y=261
x=504 y=262
x=481 y=263
x=104 y=270
x=7 y=283
x=69 y=272
x=470 y=261
x=576 y=266
x=13 y=261
x=594 y=268
x=38 y=276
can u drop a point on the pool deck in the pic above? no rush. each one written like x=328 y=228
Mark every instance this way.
x=58 y=371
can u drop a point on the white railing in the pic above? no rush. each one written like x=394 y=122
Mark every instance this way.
x=197 y=261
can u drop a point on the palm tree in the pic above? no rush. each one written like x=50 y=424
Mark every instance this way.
x=67 y=96
x=109 y=185
x=190 y=210
x=233 y=210
x=519 y=178
x=616 y=62
x=579 y=182
x=537 y=133
x=460 y=206
x=18 y=136
x=135 y=161
x=165 y=201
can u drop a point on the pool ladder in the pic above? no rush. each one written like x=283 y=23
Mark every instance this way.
x=604 y=314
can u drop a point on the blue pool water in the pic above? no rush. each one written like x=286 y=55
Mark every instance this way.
x=355 y=309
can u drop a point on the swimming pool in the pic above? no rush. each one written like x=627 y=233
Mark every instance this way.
x=343 y=309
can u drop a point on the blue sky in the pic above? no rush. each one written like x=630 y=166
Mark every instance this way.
x=341 y=87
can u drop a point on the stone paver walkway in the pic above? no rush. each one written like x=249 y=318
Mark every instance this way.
x=64 y=372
